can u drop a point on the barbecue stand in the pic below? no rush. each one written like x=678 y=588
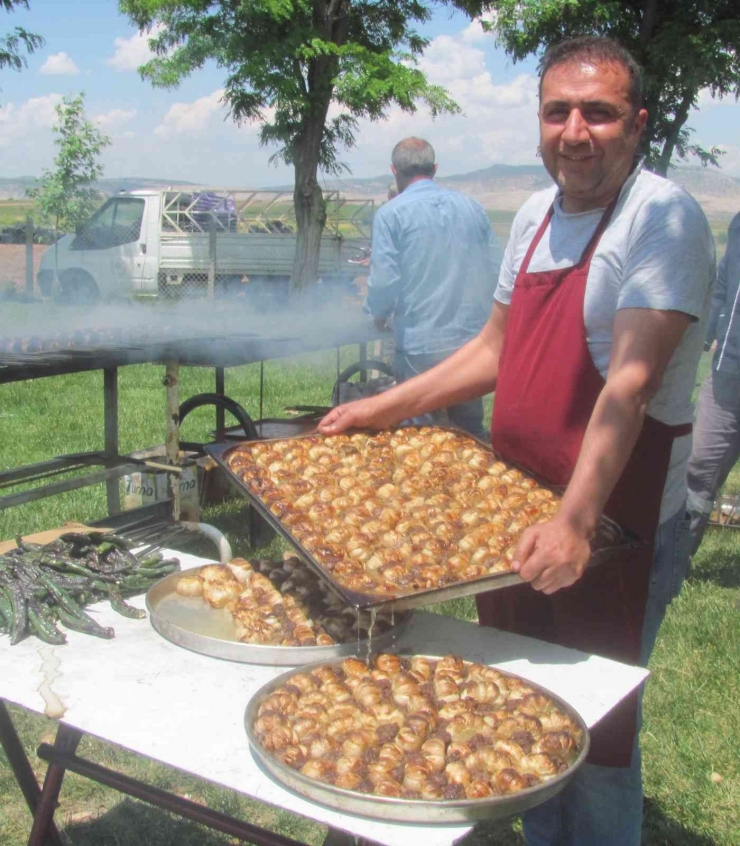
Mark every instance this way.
x=108 y=351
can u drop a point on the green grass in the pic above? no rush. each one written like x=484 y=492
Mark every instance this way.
x=692 y=705
x=14 y=211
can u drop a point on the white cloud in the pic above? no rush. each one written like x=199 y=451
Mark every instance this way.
x=114 y=118
x=130 y=53
x=59 y=64
x=445 y=60
x=474 y=32
x=36 y=113
x=192 y=118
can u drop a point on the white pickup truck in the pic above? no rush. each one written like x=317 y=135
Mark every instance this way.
x=176 y=243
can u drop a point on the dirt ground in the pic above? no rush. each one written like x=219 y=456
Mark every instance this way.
x=13 y=264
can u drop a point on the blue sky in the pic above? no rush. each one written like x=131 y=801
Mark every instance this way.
x=182 y=135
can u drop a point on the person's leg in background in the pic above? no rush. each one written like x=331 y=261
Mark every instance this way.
x=406 y=367
x=602 y=806
x=465 y=415
x=716 y=447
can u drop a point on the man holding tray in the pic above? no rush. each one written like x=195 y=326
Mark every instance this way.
x=592 y=348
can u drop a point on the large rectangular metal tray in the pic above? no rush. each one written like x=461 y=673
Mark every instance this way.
x=391 y=809
x=611 y=540
x=191 y=623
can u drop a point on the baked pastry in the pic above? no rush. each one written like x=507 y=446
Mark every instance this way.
x=281 y=603
x=360 y=727
x=399 y=511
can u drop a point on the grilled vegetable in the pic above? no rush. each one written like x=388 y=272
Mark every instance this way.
x=40 y=584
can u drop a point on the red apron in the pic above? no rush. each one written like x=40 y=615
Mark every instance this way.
x=546 y=391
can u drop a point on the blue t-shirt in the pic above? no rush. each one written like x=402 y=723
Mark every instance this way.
x=434 y=266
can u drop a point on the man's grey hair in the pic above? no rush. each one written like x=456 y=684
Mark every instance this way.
x=413 y=157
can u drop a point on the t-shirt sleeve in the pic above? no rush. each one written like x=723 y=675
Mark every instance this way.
x=507 y=273
x=670 y=262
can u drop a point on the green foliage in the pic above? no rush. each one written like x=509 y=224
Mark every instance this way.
x=288 y=60
x=11 y=45
x=64 y=195
x=684 y=46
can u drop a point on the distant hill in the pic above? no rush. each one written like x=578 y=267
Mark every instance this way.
x=15 y=187
x=502 y=187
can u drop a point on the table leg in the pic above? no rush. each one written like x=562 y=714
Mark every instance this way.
x=110 y=401
x=66 y=742
x=22 y=770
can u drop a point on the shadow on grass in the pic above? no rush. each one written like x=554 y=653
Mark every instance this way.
x=658 y=829
x=719 y=565
x=500 y=832
x=132 y=824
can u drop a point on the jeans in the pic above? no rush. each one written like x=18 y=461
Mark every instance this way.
x=716 y=447
x=465 y=415
x=602 y=806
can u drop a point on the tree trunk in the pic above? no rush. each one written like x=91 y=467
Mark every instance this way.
x=309 y=207
x=331 y=20
x=681 y=116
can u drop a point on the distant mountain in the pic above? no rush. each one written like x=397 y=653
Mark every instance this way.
x=506 y=187
x=15 y=187
x=502 y=187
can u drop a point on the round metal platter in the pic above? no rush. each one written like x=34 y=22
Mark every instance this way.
x=391 y=809
x=192 y=623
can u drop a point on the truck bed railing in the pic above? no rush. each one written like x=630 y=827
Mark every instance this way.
x=259 y=212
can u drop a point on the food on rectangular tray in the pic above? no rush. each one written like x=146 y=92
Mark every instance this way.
x=418 y=728
x=398 y=511
x=280 y=603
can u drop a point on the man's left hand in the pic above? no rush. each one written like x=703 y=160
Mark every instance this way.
x=381 y=323
x=551 y=556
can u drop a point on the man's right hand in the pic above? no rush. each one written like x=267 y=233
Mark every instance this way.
x=369 y=413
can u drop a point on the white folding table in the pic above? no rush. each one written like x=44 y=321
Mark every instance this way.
x=186 y=710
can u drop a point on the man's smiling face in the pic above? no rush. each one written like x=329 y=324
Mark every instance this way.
x=589 y=131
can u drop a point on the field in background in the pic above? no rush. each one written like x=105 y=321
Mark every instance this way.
x=692 y=763
x=14 y=211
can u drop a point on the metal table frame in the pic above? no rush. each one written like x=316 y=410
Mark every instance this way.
x=62 y=758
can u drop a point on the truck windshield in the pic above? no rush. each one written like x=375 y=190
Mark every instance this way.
x=117 y=222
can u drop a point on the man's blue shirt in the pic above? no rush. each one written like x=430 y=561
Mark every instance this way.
x=434 y=268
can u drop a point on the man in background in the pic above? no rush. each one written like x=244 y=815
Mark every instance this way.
x=716 y=446
x=434 y=266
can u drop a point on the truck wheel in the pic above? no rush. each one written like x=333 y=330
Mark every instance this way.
x=77 y=288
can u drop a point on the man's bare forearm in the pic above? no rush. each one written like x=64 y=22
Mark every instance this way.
x=607 y=445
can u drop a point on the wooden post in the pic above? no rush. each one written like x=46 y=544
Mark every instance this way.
x=212 y=258
x=29 y=257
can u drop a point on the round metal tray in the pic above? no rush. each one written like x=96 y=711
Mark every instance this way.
x=391 y=809
x=192 y=623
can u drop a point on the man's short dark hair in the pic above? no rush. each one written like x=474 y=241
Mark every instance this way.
x=596 y=50
x=413 y=157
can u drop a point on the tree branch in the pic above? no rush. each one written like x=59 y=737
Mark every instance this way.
x=299 y=76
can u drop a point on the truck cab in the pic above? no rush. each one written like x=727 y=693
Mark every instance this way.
x=107 y=257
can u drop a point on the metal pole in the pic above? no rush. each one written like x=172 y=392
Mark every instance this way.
x=363 y=361
x=220 y=415
x=172 y=436
x=212 y=258
x=110 y=404
x=262 y=385
x=29 y=257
